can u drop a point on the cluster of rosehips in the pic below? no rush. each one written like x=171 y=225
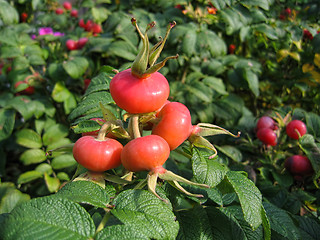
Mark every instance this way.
x=285 y=13
x=76 y=44
x=143 y=93
x=90 y=26
x=68 y=7
x=266 y=129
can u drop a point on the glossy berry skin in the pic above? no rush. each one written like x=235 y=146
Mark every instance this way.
x=298 y=165
x=67 y=5
x=174 y=124
x=145 y=153
x=59 y=11
x=231 y=48
x=71 y=44
x=267 y=136
x=74 y=13
x=266 y=122
x=96 y=28
x=139 y=95
x=296 y=125
x=82 y=23
x=96 y=155
x=28 y=91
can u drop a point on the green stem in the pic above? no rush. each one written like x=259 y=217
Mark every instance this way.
x=103 y=221
x=135 y=126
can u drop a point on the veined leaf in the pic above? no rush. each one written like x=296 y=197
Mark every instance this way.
x=54 y=133
x=48 y=218
x=146 y=214
x=85 y=192
x=249 y=196
x=8 y=14
x=76 y=67
x=7 y=119
x=123 y=232
x=208 y=171
x=99 y=83
x=32 y=156
x=29 y=138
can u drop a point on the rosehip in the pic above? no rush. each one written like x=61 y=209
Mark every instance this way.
x=74 y=13
x=81 y=23
x=28 y=91
x=59 y=11
x=296 y=129
x=71 y=44
x=266 y=122
x=96 y=28
x=267 y=136
x=298 y=165
x=82 y=42
x=232 y=48
x=67 y=5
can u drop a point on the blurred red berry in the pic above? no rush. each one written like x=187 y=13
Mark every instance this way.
x=27 y=91
x=24 y=17
x=71 y=44
x=266 y=122
x=296 y=129
x=96 y=28
x=82 y=42
x=81 y=23
x=88 y=26
x=231 y=48
x=59 y=11
x=288 y=11
x=267 y=136
x=87 y=81
x=307 y=34
x=211 y=10
x=67 y=5
x=74 y=13
x=282 y=17
x=179 y=6
x=299 y=165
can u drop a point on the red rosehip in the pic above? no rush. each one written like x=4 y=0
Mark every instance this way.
x=232 y=48
x=74 y=13
x=307 y=34
x=88 y=26
x=299 y=165
x=67 y=5
x=81 y=23
x=82 y=42
x=24 y=17
x=296 y=129
x=282 y=17
x=87 y=81
x=266 y=122
x=28 y=91
x=59 y=11
x=267 y=136
x=288 y=11
x=96 y=28
x=71 y=44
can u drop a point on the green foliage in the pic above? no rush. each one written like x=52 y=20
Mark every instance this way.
x=238 y=61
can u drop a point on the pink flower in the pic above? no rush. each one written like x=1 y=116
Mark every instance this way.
x=58 y=34
x=45 y=31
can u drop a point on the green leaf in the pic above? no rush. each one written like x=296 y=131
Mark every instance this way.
x=32 y=156
x=99 y=83
x=60 y=93
x=267 y=30
x=48 y=218
x=85 y=192
x=145 y=213
x=122 y=49
x=8 y=14
x=309 y=226
x=281 y=222
x=189 y=42
x=256 y=3
x=217 y=45
x=216 y=84
x=76 y=67
x=313 y=124
x=194 y=224
x=86 y=126
x=53 y=183
x=312 y=150
x=231 y=152
x=63 y=161
x=29 y=176
x=10 y=197
x=99 y=14
x=205 y=170
x=123 y=232
x=54 y=133
x=23 y=105
x=28 y=138
x=249 y=196
x=69 y=104
x=252 y=80
x=91 y=103
x=7 y=120
x=10 y=52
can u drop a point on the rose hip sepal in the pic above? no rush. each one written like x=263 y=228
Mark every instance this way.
x=142 y=89
x=149 y=153
x=202 y=130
